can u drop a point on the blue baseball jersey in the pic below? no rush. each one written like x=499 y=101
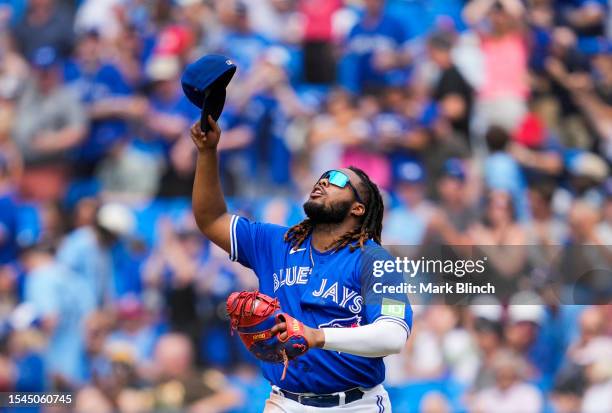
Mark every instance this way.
x=321 y=289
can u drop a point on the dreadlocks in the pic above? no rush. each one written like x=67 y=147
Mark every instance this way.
x=371 y=223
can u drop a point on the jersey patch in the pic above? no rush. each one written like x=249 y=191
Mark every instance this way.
x=393 y=308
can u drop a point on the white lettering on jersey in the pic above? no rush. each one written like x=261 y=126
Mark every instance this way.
x=348 y=296
x=355 y=308
x=302 y=277
x=317 y=293
x=291 y=276
x=332 y=292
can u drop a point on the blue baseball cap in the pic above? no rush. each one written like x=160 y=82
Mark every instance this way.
x=204 y=82
x=453 y=167
x=410 y=171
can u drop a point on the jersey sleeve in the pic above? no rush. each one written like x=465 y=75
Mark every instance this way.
x=252 y=243
x=380 y=301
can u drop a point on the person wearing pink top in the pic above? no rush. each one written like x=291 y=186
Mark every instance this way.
x=319 y=60
x=502 y=95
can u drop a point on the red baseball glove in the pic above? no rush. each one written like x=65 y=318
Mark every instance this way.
x=253 y=315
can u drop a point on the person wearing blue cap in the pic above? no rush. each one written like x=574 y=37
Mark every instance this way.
x=406 y=223
x=50 y=122
x=458 y=209
x=50 y=117
x=454 y=195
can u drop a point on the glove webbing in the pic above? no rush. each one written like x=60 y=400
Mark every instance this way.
x=245 y=298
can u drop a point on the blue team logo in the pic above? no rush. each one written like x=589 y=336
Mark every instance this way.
x=354 y=321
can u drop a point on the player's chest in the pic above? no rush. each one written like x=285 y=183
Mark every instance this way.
x=326 y=284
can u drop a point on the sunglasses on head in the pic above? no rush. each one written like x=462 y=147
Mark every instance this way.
x=340 y=179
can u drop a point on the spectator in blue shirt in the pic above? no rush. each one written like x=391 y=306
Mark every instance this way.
x=372 y=50
x=170 y=114
x=108 y=97
x=503 y=172
x=240 y=42
x=86 y=250
x=587 y=18
x=61 y=299
x=268 y=102
x=46 y=23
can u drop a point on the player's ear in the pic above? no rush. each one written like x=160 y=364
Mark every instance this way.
x=358 y=209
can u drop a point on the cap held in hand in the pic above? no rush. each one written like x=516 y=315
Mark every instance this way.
x=204 y=82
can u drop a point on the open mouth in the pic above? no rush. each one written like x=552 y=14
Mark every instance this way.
x=317 y=192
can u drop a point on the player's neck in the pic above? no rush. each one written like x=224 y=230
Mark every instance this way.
x=324 y=235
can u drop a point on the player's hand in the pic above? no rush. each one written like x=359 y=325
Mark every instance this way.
x=314 y=336
x=206 y=141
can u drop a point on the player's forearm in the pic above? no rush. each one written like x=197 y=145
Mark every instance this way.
x=379 y=339
x=208 y=202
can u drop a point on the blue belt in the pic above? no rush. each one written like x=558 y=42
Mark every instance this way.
x=323 y=400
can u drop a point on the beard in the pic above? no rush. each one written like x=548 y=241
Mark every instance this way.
x=327 y=214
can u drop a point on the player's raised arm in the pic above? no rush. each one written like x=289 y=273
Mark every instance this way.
x=208 y=202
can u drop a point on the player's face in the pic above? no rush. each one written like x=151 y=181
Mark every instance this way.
x=334 y=197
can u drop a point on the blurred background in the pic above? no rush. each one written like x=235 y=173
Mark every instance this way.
x=485 y=123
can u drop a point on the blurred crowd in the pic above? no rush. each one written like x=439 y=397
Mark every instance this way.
x=484 y=122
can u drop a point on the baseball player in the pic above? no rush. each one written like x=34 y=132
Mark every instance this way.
x=320 y=270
